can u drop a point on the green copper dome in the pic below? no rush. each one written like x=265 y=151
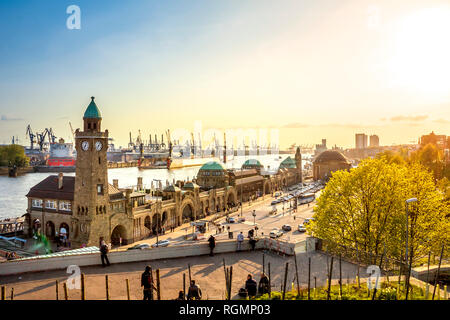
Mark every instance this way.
x=288 y=163
x=212 y=165
x=252 y=163
x=92 y=111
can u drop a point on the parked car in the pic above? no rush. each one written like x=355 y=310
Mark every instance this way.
x=161 y=243
x=241 y=219
x=286 y=227
x=277 y=194
x=301 y=228
x=140 y=246
x=274 y=202
x=231 y=220
x=273 y=210
x=275 y=233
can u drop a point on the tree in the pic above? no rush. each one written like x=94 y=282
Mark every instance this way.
x=365 y=207
x=13 y=155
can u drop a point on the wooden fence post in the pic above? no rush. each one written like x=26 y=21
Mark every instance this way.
x=158 y=285
x=309 y=278
x=437 y=273
x=12 y=294
x=83 y=288
x=107 y=287
x=57 y=289
x=285 y=279
x=66 y=296
x=128 y=288
x=296 y=274
x=270 y=282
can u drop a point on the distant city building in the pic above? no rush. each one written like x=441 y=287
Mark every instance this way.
x=374 y=141
x=360 y=141
x=320 y=147
x=441 y=141
x=328 y=162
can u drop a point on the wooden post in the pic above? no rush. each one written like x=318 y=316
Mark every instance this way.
x=128 y=288
x=184 y=286
x=107 y=287
x=158 y=285
x=190 y=278
x=315 y=286
x=83 y=288
x=66 y=296
x=285 y=279
x=437 y=273
x=230 y=282
x=296 y=274
x=329 y=279
x=12 y=294
x=340 y=277
x=57 y=289
x=270 y=283
x=427 y=288
x=264 y=263
x=309 y=278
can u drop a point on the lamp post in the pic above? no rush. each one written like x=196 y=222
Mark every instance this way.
x=241 y=193
x=406 y=242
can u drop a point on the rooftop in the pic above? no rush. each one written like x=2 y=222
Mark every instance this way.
x=92 y=111
x=213 y=165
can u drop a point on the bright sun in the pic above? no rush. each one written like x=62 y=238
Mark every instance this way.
x=421 y=57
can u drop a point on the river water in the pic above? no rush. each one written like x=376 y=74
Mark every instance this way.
x=13 y=202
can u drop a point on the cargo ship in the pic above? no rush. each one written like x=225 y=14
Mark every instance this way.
x=61 y=158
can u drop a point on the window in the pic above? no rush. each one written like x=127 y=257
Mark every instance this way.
x=36 y=203
x=65 y=206
x=50 y=204
x=99 y=189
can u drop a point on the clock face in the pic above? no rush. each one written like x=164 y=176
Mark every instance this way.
x=98 y=145
x=85 y=145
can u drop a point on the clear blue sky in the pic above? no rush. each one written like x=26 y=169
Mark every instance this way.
x=154 y=65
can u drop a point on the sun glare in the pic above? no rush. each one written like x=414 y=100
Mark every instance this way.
x=421 y=57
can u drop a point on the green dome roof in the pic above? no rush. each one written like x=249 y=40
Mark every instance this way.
x=288 y=163
x=92 y=111
x=212 y=165
x=252 y=163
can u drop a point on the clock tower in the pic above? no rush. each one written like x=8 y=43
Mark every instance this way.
x=91 y=197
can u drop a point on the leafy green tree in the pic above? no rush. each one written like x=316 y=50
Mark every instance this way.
x=365 y=208
x=13 y=154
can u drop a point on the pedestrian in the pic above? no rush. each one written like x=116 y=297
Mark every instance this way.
x=180 y=295
x=250 y=286
x=263 y=286
x=252 y=242
x=240 y=239
x=147 y=283
x=194 y=292
x=103 y=253
x=212 y=244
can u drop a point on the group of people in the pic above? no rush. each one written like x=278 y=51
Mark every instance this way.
x=11 y=255
x=194 y=291
x=251 y=288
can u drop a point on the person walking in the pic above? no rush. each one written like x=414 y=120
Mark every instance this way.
x=194 y=292
x=263 y=286
x=104 y=253
x=147 y=283
x=250 y=286
x=240 y=239
x=212 y=244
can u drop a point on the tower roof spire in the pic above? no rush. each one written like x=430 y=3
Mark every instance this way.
x=92 y=111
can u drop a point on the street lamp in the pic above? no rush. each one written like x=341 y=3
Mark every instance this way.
x=406 y=241
x=254 y=217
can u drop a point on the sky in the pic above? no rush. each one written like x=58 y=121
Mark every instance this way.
x=305 y=69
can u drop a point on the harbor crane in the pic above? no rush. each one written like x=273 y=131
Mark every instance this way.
x=41 y=139
x=51 y=135
x=31 y=136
